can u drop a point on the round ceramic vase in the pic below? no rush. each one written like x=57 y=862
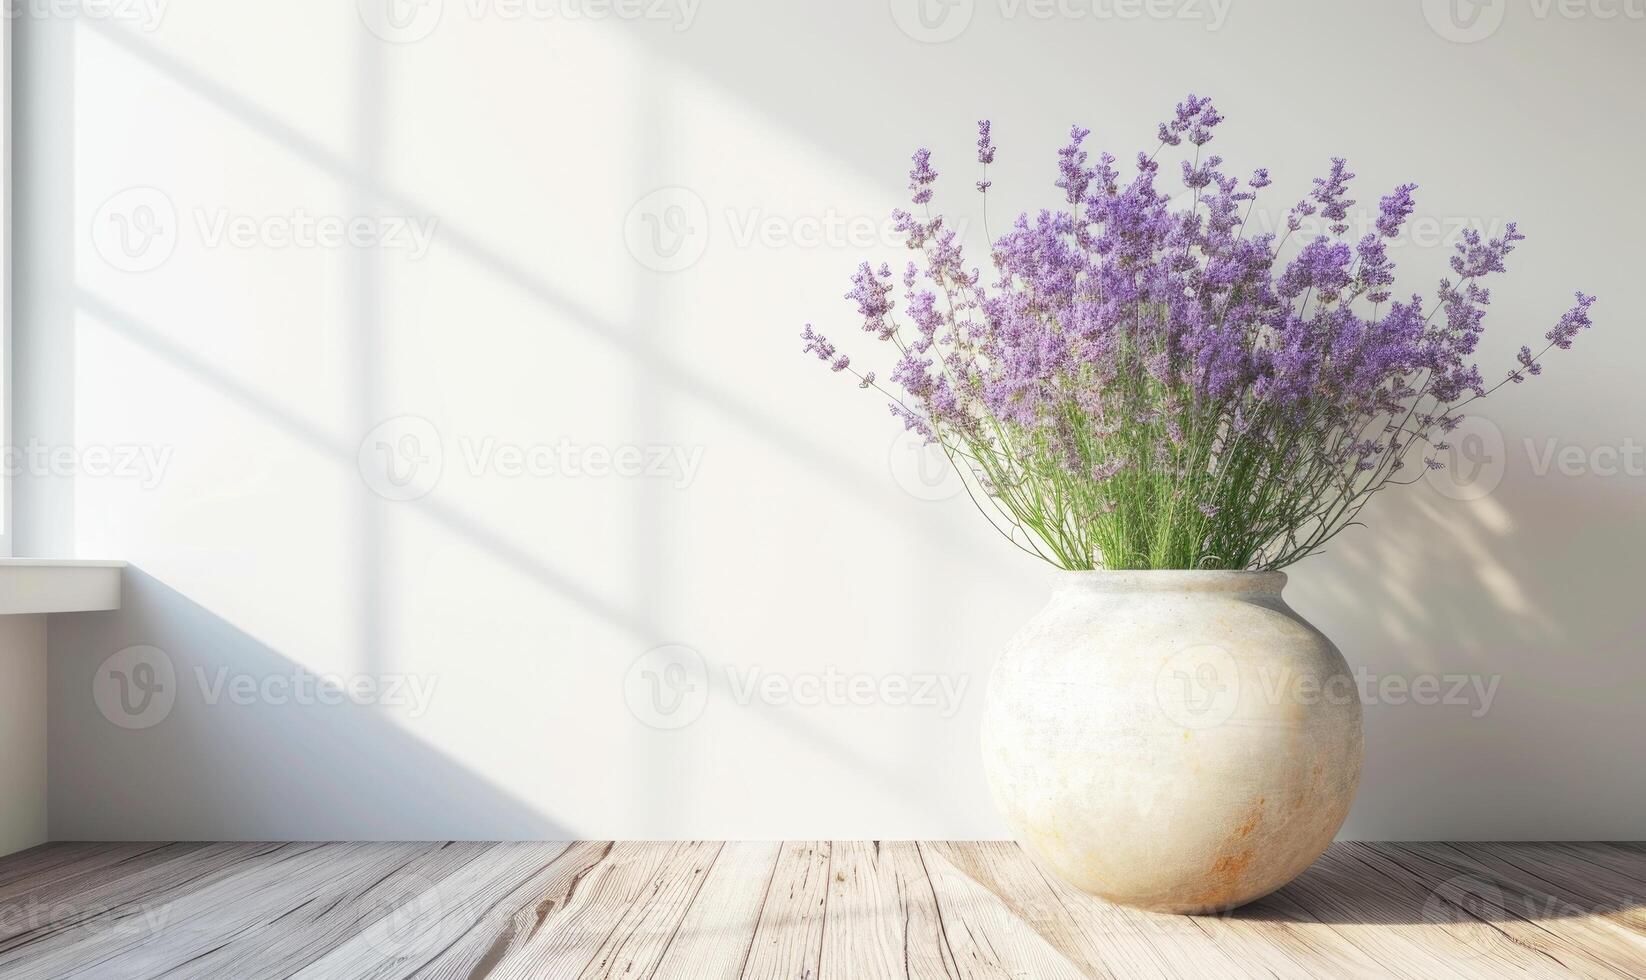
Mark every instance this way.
x=1172 y=740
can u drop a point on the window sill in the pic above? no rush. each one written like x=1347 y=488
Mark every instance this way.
x=30 y=586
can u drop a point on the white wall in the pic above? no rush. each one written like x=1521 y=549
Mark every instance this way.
x=804 y=541
x=22 y=732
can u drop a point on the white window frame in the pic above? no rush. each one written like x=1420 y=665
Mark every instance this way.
x=5 y=282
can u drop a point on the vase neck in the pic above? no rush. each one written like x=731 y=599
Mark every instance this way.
x=1172 y=582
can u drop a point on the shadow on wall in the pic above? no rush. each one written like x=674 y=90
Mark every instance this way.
x=359 y=774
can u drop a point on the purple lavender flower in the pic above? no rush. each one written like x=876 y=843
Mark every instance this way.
x=1331 y=192
x=817 y=344
x=985 y=146
x=922 y=176
x=1072 y=166
x=1394 y=209
x=1131 y=369
x=1571 y=322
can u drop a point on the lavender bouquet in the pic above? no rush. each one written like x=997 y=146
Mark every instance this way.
x=1147 y=388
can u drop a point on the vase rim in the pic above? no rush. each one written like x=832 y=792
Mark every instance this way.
x=1171 y=580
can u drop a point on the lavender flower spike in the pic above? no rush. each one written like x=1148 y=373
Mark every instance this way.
x=1137 y=383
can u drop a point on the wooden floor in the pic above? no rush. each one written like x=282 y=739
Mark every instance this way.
x=856 y=910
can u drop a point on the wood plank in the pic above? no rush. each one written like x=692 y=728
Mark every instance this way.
x=1383 y=915
x=638 y=942
x=38 y=864
x=1533 y=903
x=618 y=909
x=1615 y=874
x=1278 y=935
x=984 y=935
x=717 y=932
x=788 y=941
x=882 y=919
x=1007 y=873
x=158 y=922
x=61 y=888
x=849 y=910
x=320 y=914
x=133 y=905
x=424 y=916
x=512 y=919
x=1624 y=858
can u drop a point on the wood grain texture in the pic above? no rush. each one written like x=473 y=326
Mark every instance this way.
x=837 y=910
